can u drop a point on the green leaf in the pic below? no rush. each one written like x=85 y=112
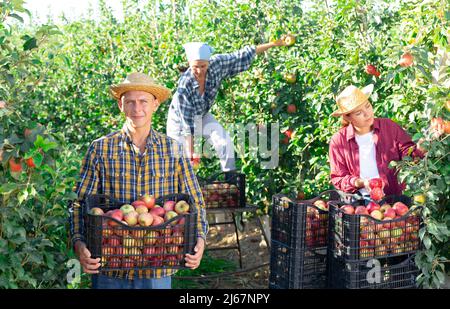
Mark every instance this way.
x=8 y=188
x=427 y=242
x=30 y=44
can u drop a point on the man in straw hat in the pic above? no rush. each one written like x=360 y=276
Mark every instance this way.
x=365 y=145
x=131 y=163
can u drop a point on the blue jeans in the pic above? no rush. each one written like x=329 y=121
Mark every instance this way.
x=105 y=282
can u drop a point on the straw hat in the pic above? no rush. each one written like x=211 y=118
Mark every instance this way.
x=351 y=98
x=142 y=82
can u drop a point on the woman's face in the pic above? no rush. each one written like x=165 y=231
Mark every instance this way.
x=199 y=68
x=362 y=117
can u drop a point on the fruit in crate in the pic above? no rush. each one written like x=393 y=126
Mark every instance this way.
x=116 y=214
x=151 y=237
x=390 y=213
x=348 y=209
x=400 y=208
x=126 y=208
x=361 y=210
x=157 y=211
x=376 y=214
x=149 y=200
x=96 y=211
x=141 y=209
x=131 y=218
x=321 y=204
x=169 y=205
x=385 y=207
x=145 y=219
x=234 y=189
x=181 y=207
x=372 y=206
x=157 y=220
x=138 y=203
x=170 y=215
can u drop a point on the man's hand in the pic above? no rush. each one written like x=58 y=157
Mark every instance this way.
x=193 y=261
x=90 y=266
x=2 y=104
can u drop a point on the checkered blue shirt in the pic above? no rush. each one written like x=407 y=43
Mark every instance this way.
x=187 y=101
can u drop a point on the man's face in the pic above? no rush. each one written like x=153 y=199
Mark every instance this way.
x=362 y=117
x=138 y=107
x=199 y=68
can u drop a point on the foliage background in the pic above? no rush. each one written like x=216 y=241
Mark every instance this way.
x=56 y=79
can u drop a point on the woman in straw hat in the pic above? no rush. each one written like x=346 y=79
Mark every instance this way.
x=365 y=145
x=197 y=89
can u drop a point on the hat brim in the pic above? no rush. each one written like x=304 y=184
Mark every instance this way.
x=367 y=92
x=161 y=93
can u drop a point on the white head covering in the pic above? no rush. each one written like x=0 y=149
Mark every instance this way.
x=198 y=51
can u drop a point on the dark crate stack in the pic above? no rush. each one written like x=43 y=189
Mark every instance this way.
x=123 y=247
x=224 y=190
x=366 y=253
x=299 y=236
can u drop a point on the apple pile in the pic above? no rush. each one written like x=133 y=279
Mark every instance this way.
x=221 y=195
x=392 y=233
x=125 y=245
x=317 y=224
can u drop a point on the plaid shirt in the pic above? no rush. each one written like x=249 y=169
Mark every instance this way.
x=113 y=166
x=187 y=101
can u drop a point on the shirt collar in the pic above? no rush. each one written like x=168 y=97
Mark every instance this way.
x=151 y=138
x=350 y=131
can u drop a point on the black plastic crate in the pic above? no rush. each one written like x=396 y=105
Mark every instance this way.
x=361 y=237
x=292 y=268
x=224 y=190
x=123 y=247
x=387 y=273
x=299 y=223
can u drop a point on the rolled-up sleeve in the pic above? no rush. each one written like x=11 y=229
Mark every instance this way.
x=87 y=185
x=340 y=175
x=236 y=62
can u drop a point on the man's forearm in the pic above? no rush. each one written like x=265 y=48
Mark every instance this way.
x=263 y=47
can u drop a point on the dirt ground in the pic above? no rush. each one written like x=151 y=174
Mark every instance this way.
x=254 y=254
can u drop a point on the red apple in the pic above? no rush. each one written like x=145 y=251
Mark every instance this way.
x=321 y=204
x=177 y=238
x=14 y=166
x=115 y=214
x=348 y=209
x=376 y=194
x=291 y=109
x=138 y=203
x=141 y=209
x=390 y=213
x=128 y=263
x=400 y=208
x=30 y=163
x=169 y=205
x=372 y=206
x=372 y=70
x=115 y=262
x=406 y=60
x=158 y=211
x=145 y=219
x=375 y=183
x=181 y=207
x=157 y=220
x=96 y=211
x=361 y=210
x=149 y=200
